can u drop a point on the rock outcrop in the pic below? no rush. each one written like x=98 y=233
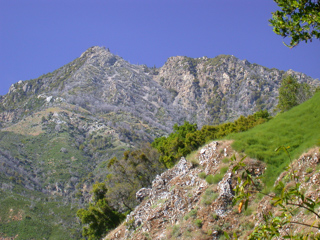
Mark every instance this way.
x=180 y=196
x=182 y=205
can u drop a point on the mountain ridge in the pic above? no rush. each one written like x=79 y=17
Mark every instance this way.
x=208 y=88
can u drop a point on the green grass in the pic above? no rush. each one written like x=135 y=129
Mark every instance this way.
x=299 y=128
x=192 y=214
x=209 y=196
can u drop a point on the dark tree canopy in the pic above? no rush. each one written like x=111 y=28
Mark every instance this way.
x=99 y=217
x=297 y=19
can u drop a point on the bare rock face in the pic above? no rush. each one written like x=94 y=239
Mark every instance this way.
x=143 y=193
x=209 y=156
x=222 y=87
x=225 y=195
x=165 y=200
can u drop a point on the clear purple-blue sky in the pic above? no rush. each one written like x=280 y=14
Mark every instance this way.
x=39 y=36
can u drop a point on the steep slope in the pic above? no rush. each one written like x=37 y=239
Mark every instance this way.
x=297 y=128
x=183 y=205
x=201 y=90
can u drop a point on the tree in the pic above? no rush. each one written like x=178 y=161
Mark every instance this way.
x=99 y=218
x=297 y=19
x=173 y=147
x=135 y=170
x=287 y=93
x=292 y=93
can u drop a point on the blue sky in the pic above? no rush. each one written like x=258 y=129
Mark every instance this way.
x=39 y=36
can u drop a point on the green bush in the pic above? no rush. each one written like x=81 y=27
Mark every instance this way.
x=192 y=214
x=223 y=170
x=214 y=179
x=198 y=223
x=175 y=231
x=186 y=138
x=99 y=218
x=225 y=160
x=210 y=179
x=309 y=170
x=202 y=175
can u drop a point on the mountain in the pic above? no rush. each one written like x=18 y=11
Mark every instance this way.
x=59 y=131
x=202 y=90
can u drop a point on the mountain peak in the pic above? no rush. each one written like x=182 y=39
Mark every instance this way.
x=99 y=56
x=95 y=50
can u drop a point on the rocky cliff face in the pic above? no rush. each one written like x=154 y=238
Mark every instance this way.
x=183 y=205
x=222 y=88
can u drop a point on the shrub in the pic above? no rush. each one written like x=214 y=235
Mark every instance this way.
x=214 y=179
x=223 y=170
x=309 y=170
x=99 y=218
x=210 y=179
x=175 y=231
x=225 y=160
x=186 y=138
x=202 y=175
x=198 y=223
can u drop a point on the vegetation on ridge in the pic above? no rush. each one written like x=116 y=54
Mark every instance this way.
x=187 y=138
x=290 y=198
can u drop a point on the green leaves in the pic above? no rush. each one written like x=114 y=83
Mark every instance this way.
x=134 y=171
x=297 y=19
x=292 y=93
x=99 y=218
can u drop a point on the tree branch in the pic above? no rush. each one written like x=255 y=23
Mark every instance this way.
x=298 y=205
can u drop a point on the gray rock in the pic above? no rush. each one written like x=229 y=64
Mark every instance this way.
x=143 y=193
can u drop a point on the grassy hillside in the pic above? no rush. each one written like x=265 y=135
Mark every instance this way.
x=27 y=214
x=299 y=128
